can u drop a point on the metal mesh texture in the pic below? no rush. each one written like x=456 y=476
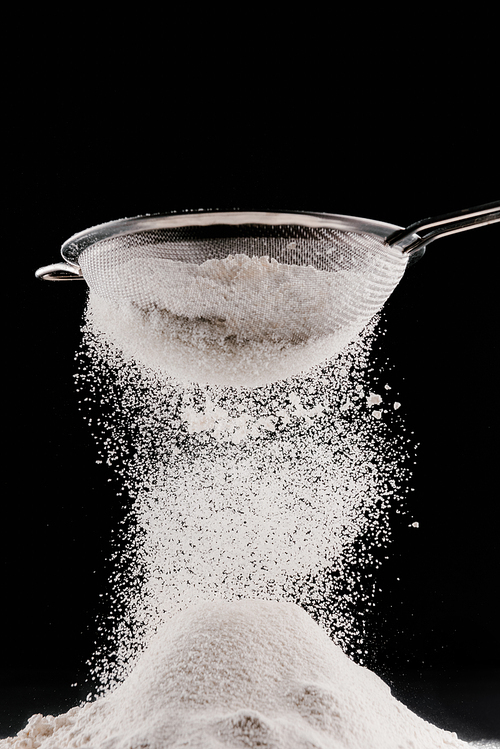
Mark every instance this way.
x=366 y=269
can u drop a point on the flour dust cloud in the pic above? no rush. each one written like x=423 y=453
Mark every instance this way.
x=280 y=493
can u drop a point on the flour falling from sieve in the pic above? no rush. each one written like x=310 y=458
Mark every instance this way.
x=246 y=509
x=281 y=492
x=242 y=504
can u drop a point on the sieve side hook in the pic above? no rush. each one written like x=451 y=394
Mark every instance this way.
x=60 y=272
x=429 y=229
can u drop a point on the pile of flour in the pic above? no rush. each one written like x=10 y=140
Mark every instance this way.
x=241 y=674
x=238 y=321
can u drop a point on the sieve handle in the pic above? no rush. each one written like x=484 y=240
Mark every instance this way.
x=429 y=229
x=59 y=272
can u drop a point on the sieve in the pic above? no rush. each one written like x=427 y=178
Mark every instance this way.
x=130 y=261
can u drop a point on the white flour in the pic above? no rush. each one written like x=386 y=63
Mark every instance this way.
x=243 y=503
x=241 y=674
x=235 y=321
x=280 y=492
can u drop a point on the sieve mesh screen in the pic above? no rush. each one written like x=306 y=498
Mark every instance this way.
x=373 y=269
x=238 y=305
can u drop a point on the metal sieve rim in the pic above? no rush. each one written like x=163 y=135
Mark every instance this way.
x=76 y=244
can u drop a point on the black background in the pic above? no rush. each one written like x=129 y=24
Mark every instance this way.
x=211 y=120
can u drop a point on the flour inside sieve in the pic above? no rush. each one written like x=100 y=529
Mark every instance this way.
x=243 y=318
